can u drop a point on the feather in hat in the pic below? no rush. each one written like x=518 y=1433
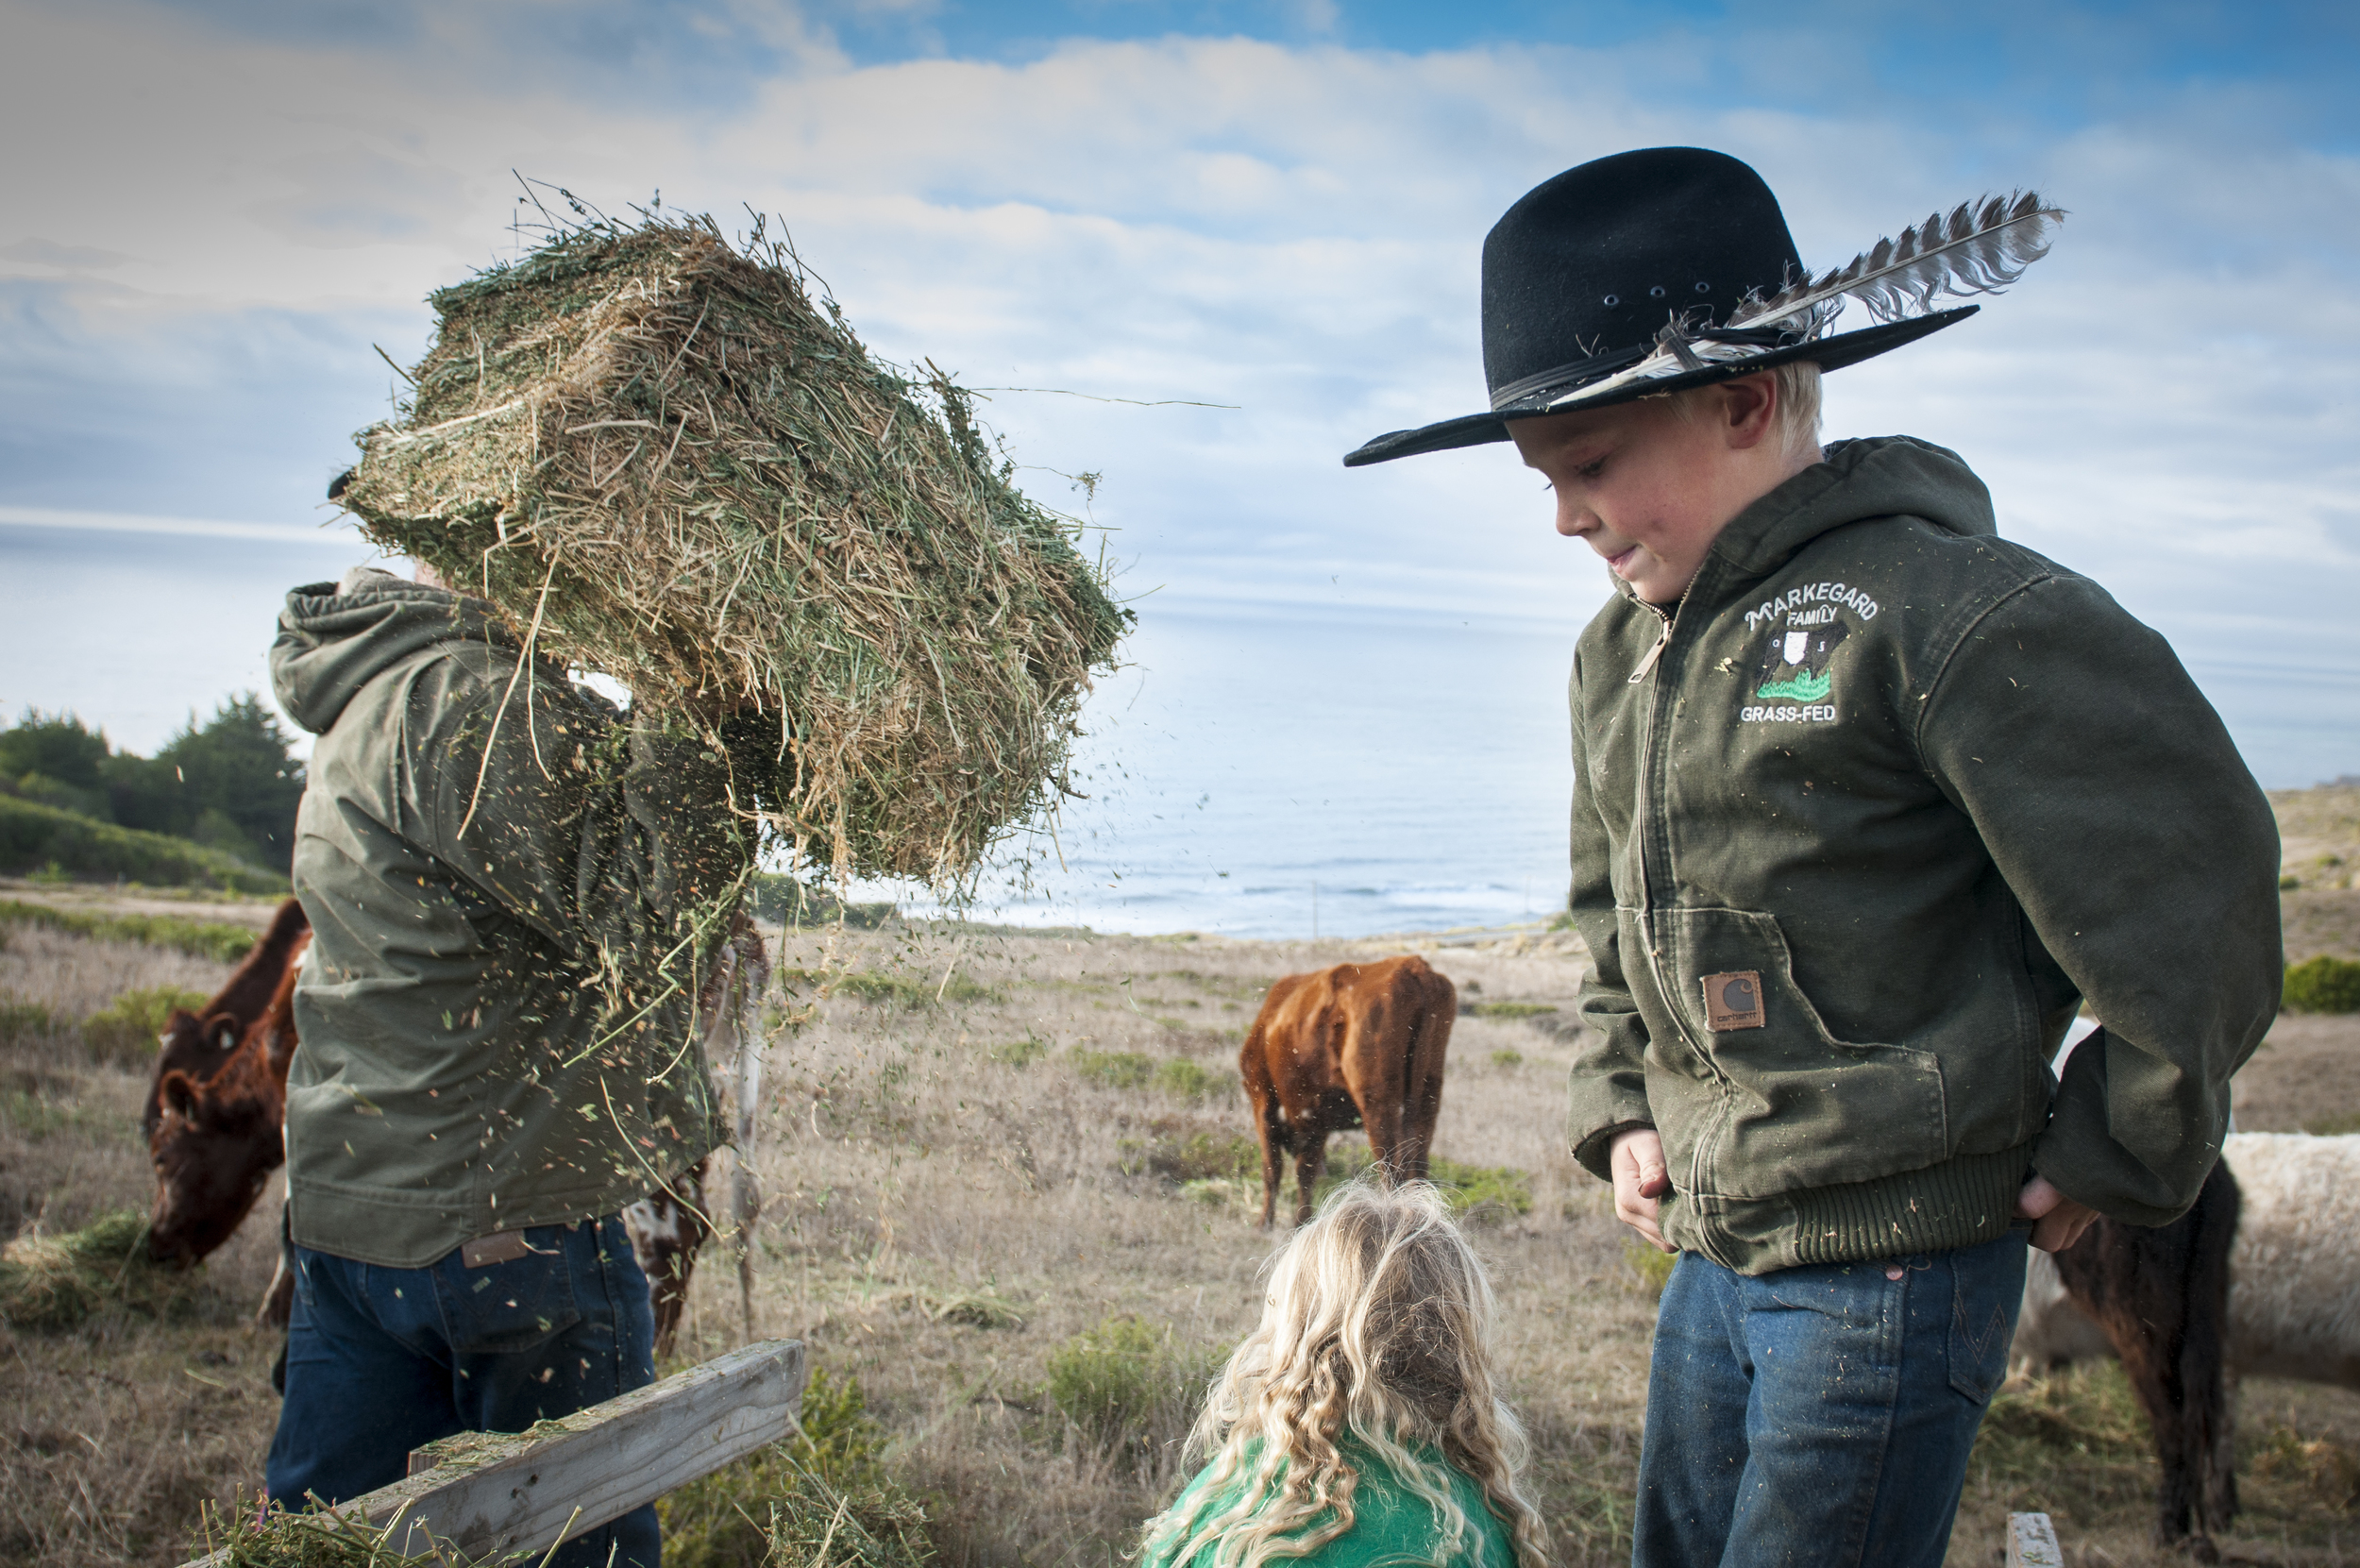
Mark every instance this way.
x=1980 y=247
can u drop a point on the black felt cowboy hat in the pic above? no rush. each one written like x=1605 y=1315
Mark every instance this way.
x=1654 y=271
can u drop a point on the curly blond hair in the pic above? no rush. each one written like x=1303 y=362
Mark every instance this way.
x=1378 y=1327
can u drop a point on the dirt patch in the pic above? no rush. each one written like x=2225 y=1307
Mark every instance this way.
x=2304 y=1076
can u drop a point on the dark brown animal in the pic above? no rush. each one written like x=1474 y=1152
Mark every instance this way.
x=218 y=1096
x=2161 y=1296
x=1360 y=1045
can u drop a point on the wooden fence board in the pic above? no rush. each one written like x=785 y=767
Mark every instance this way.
x=516 y=1495
x=2032 y=1542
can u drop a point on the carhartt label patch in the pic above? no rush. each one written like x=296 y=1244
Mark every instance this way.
x=1733 y=1001
x=486 y=1250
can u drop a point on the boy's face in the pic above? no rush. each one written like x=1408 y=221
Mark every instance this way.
x=1650 y=490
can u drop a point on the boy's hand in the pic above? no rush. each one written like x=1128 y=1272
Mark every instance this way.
x=1640 y=1179
x=2058 y=1221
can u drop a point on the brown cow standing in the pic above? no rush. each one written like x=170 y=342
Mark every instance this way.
x=218 y=1097
x=1357 y=1045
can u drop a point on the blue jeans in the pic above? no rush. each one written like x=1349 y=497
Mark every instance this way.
x=1820 y=1415
x=382 y=1360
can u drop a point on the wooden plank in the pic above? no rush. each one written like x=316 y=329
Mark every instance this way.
x=2032 y=1542
x=519 y=1494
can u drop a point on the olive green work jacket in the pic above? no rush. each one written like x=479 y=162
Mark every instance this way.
x=1857 y=827
x=513 y=898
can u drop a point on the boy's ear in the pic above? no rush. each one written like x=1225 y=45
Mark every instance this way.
x=1749 y=406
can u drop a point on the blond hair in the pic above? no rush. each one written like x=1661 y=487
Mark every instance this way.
x=1795 y=421
x=1378 y=1327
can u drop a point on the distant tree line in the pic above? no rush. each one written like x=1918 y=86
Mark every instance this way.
x=228 y=782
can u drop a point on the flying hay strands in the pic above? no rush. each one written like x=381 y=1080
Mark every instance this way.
x=661 y=462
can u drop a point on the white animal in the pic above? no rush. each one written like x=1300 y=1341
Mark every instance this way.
x=2294 y=1271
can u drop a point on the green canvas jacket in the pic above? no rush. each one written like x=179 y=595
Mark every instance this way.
x=1856 y=828
x=489 y=861
x=1391 y=1525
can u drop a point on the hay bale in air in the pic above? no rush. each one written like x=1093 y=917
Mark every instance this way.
x=664 y=463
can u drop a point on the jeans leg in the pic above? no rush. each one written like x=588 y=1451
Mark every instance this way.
x=567 y=1326
x=1962 y=1316
x=1693 y=1450
x=361 y=1391
x=1867 y=1392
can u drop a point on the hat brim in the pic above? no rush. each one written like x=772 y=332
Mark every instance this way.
x=1476 y=429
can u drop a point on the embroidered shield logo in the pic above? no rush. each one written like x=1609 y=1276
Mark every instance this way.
x=1794 y=662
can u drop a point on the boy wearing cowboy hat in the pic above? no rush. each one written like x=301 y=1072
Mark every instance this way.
x=1867 y=804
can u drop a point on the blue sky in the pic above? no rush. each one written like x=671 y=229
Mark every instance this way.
x=215 y=210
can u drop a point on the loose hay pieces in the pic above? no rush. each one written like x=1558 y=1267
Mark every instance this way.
x=53 y=1282
x=253 y=1533
x=662 y=462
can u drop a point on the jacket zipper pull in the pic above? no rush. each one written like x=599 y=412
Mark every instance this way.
x=1647 y=663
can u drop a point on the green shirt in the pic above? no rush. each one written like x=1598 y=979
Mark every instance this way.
x=1390 y=1524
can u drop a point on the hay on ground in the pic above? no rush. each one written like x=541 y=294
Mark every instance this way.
x=55 y=1282
x=664 y=463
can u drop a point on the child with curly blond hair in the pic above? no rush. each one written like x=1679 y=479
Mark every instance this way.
x=1360 y=1424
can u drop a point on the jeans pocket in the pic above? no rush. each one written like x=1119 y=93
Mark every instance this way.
x=1987 y=1287
x=513 y=1306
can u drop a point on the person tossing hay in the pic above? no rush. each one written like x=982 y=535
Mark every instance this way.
x=1360 y=1424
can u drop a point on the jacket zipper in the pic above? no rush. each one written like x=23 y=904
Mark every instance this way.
x=1647 y=892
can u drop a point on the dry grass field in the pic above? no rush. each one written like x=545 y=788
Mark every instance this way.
x=984 y=1144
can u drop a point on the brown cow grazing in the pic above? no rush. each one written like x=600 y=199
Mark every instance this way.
x=218 y=1096
x=1360 y=1045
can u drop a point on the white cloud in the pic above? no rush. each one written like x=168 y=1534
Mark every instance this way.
x=2163 y=403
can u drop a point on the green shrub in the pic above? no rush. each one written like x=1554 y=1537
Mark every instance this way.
x=1511 y=1009
x=1128 y=1381
x=2322 y=984
x=1023 y=1053
x=33 y=834
x=2333 y=1127
x=1508 y=1058
x=1191 y=1081
x=126 y=1029
x=1193 y=1156
x=217 y=940
x=777 y=1505
x=878 y=985
x=1114 y=1069
x=1652 y=1265
x=22 y=1020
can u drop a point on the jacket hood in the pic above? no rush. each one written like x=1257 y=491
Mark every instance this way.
x=1881 y=477
x=334 y=639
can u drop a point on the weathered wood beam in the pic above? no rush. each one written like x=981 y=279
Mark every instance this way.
x=490 y=1495
x=2032 y=1542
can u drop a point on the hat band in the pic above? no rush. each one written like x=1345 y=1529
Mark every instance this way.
x=1580 y=370
x=1763 y=338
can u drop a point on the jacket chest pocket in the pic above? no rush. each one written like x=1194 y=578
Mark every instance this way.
x=1801 y=1108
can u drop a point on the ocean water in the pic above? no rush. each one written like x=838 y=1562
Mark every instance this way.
x=1273 y=772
